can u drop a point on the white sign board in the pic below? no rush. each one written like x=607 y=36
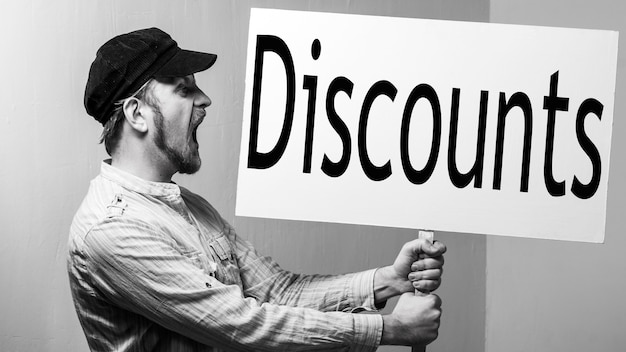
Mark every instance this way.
x=454 y=126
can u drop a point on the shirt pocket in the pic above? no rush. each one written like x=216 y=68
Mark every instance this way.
x=227 y=268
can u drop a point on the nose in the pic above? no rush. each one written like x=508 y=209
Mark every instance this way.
x=202 y=100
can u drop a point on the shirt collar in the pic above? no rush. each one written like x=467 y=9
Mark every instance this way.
x=137 y=184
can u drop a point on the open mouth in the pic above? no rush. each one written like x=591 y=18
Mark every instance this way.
x=199 y=117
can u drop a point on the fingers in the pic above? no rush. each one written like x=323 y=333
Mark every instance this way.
x=429 y=274
x=426 y=280
x=434 y=315
x=428 y=263
x=426 y=274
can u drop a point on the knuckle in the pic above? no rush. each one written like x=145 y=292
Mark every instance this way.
x=432 y=336
x=436 y=300
x=437 y=315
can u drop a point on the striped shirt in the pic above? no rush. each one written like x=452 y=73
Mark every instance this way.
x=154 y=267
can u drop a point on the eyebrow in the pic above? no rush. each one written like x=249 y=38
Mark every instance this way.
x=184 y=81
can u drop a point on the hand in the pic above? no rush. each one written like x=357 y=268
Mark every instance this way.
x=408 y=272
x=422 y=274
x=414 y=321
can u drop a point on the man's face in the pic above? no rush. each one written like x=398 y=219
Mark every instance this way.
x=179 y=111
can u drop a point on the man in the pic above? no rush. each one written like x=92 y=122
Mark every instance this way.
x=154 y=267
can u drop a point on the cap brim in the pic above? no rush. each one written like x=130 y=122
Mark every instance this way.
x=186 y=62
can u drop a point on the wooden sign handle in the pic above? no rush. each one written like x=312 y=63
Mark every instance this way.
x=429 y=236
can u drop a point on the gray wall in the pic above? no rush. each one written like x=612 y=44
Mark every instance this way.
x=49 y=152
x=558 y=296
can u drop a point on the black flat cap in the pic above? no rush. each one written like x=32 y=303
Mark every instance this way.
x=128 y=61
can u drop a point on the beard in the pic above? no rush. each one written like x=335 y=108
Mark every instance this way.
x=186 y=161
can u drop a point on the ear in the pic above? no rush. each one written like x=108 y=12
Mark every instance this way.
x=134 y=117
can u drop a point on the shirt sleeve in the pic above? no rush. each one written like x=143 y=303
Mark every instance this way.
x=266 y=281
x=137 y=268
